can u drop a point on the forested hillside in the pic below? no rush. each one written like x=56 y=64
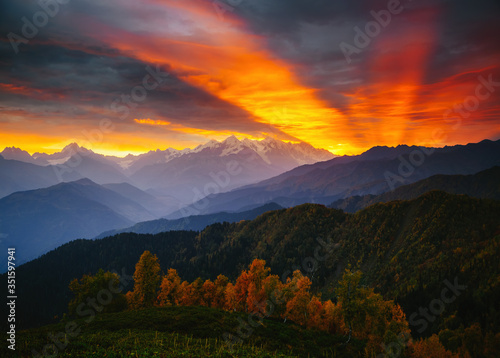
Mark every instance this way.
x=405 y=249
x=485 y=184
x=194 y=222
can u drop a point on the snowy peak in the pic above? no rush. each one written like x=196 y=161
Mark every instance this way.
x=71 y=149
x=232 y=146
x=274 y=152
x=14 y=153
x=269 y=141
x=64 y=155
x=231 y=141
x=153 y=157
x=212 y=144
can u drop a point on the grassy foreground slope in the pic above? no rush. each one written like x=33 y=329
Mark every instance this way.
x=181 y=332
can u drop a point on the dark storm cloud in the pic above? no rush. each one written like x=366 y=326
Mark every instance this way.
x=468 y=30
x=308 y=34
x=68 y=70
x=62 y=72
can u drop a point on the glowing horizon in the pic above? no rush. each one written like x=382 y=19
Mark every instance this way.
x=240 y=73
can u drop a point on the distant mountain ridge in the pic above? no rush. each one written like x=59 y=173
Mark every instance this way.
x=36 y=221
x=372 y=172
x=269 y=149
x=19 y=176
x=177 y=177
x=485 y=184
x=195 y=223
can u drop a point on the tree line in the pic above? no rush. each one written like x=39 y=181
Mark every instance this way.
x=356 y=312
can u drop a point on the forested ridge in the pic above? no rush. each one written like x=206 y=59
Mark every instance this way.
x=484 y=184
x=406 y=250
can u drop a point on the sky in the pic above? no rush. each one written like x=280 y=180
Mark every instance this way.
x=124 y=76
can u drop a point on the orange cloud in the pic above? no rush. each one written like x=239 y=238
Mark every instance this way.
x=35 y=93
x=152 y=122
x=234 y=66
x=395 y=74
x=205 y=133
x=393 y=104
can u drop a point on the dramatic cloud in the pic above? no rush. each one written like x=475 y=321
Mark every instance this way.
x=126 y=76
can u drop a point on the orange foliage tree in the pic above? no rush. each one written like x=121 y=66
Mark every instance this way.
x=256 y=296
x=146 y=281
x=169 y=288
x=299 y=298
x=359 y=311
x=219 y=297
x=429 y=348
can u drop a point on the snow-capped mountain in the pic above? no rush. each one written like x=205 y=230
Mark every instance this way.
x=268 y=149
x=60 y=157
x=274 y=152
x=193 y=172
x=177 y=176
x=13 y=153
x=132 y=163
x=70 y=151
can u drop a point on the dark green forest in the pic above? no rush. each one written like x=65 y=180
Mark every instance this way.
x=408 y=251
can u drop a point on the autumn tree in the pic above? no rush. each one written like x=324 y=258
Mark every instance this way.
x=256 y=295
x=146 y=281
x=272 y=288
x=287 y=293
x=314 y=313
x=230 y=297
x=219 y=298
x=184 y=296
x=241 y=292
x=368 y=316
x=298 y=291
x=208 y=294
x=103 y=289
x=429 y=348
x=197 y=292
x=350 y=297
x=168 y=288
x=190 y=294
x=332 y=318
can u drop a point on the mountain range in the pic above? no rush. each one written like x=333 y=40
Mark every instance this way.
x=378 y=170
x=36 y=221
x=41 y=219
x=485 y=184
x=195 y=222
x=175 y=177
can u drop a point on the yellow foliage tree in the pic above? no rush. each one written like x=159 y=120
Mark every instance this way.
x=299 y=298
x=368 y=316
x=146 y=281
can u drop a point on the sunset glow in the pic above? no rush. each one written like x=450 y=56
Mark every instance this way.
x=226 y=76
